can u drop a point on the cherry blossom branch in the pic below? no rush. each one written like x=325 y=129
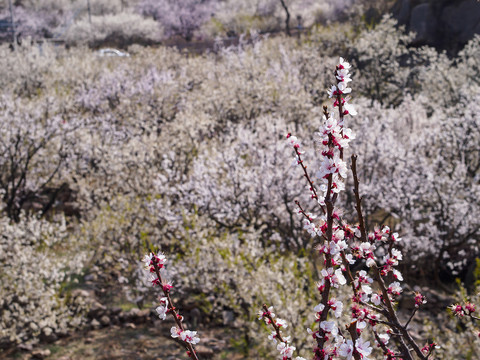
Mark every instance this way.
x=268 y=316
x=354 y=289
x=328 y=265
x=299 y=160
x=368 y=307
x=392 y=317
x=305 y=174
x=466 y=310
x=155 y=263
x=429 y=349
x=411 y=317
x=306 y=215
x=386 y=351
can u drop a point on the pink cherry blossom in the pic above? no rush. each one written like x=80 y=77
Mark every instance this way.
x=286 y=350
x=189 y=337
x=163 y=308
x=363 y=347
x=346 y=349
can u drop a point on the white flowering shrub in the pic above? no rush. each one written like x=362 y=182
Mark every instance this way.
x=420 y=202
x=119 y=29
x=37 y=266
x=383 y=60
x=237 y=17
x=25 y=70
x=35 y=144
x=180 y=17
x=37 y=21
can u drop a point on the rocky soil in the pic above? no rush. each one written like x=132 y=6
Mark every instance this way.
x=140 y=337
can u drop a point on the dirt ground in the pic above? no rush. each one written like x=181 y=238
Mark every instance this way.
x=142 y=342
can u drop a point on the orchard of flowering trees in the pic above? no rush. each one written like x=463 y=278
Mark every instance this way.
x=124 y=22
x=185 y=158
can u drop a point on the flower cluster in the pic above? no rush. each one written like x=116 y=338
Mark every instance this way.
x=185 y=335
x=460 y=311
x=419 y=299
x=154 y=263
x=286 y=350
x=334 y=137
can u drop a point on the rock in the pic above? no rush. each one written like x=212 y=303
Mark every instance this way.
x=26 y=347
x=462 y=20
x=95 y=324
x=136 y=316
x=96 y=310
x=105 y=320
x=130 y=326
x=228 y=317
x=424 y=23
x=40 y=354
x=76 y=293
x=81 y=296
x=144 y=315
x=204 y=352
x=159 y=324
x=401 y=11
x=133 y=312
x=91 y=277
x=116 y=310
x=441 y=23
x=48 y=335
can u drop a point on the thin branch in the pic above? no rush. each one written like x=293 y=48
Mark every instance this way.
x=287 y=20
x=273 y=323
x=411 y=317
x=173 y=311
x=358 y=205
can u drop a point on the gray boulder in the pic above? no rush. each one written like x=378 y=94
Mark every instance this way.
x=462 y=20
x=445 y=24
x=424 y=23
